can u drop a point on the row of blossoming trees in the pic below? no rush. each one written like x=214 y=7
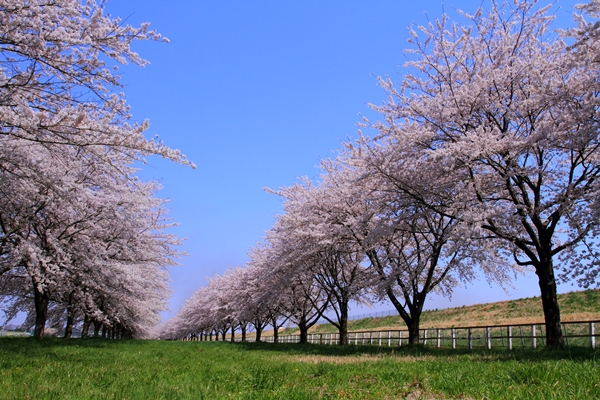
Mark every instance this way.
x=81 y=237
x=486 y=161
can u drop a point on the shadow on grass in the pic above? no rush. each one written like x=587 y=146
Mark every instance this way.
x=542 y=354
x=27 y=344
x=30 y=347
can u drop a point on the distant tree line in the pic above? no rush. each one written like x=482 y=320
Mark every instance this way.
x=486 y=160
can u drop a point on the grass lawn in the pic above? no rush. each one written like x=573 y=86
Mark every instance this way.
x=132 y=369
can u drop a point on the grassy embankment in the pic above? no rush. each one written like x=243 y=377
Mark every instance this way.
x=130 y=369
x=574 y=306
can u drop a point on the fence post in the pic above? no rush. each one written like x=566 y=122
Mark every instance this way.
x=438 y=338
x=425 y=337
x=592 y=337
x=533 y=338
x=453 y=338
x=379 y=338
x=509 y=334
x=399 y=338
x=370 y=338
x=488 y=335
x=389 y=339
x=470 y=339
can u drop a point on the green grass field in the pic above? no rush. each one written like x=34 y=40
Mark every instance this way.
x=132 y=369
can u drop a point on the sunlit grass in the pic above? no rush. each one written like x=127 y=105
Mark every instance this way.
x=102 y=369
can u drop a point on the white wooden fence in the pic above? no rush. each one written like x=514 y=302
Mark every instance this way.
x=577 y=333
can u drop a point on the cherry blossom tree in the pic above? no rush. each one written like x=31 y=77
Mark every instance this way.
x=225 y=304
x=306 y=301
x=335 y=263
x=508 y=110
x=73 y=216
x=76 y=233
x=266 y=296
x=240 y=298
x=413 y=246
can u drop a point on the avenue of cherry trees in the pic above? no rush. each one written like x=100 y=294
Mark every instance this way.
x=485 y=161
x=82 y=239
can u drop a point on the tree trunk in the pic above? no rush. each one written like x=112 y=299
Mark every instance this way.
x=232 y=334
x=258 y=333
x=224 y=334
x=413 y=331
x=412 y=319
x=70 y=322
x=97 y=326
x=275 y=332
x=545 y=273
x=303 y=331
x=243 y=333
x=86 y=326
x=343 y=328
x=41 y=311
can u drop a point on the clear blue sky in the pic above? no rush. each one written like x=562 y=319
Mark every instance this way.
x=255 y=92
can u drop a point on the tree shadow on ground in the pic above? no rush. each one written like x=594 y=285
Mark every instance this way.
x=420 y=351
x=25 y=345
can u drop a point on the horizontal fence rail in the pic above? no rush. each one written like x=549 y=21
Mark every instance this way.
x=576 y=333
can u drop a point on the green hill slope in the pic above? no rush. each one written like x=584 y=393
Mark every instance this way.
x=575 y=306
